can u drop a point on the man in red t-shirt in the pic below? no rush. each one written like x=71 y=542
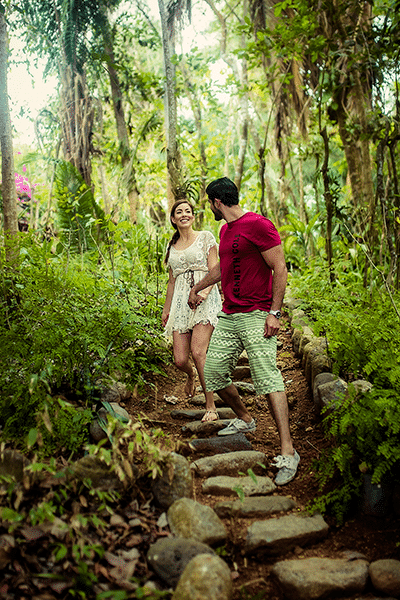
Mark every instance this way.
x=253 y=275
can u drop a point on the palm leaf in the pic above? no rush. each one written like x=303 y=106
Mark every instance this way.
x=78 y=213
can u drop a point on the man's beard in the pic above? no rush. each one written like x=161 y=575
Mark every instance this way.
x=218 y=216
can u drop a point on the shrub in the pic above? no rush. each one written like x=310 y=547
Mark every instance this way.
x=361 y=328
x=67 y=321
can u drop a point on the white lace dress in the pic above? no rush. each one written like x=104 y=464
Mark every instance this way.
x=188 y=267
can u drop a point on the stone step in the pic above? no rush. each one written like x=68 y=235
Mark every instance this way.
x=254 y=506
x=221 y=445
x=276 y=536
x=196 y=414
x=229 y=463
x=303 y=579
x=223 y=485
x=208 y=428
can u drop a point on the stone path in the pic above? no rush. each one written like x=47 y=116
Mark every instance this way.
x=188 y=561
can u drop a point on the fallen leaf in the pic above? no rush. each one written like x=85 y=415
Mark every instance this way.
x=32 y=533
x=5 y=558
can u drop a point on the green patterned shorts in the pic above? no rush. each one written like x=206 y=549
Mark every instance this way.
x=233 y=334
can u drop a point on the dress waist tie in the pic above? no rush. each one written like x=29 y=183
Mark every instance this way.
x=189 y=275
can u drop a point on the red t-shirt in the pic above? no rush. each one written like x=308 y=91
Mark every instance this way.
x=246 y=278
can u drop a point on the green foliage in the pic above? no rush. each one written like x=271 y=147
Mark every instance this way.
x=360 y=325
x=300 y=239
x=361 y=328
x=66 y=323
x=365 y=433
x=73 y=518
x=79 y=217
x=63 y=427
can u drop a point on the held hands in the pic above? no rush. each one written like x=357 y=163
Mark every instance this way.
x=272 y=326
x=194 y=299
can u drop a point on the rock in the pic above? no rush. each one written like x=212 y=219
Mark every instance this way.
x=298 y=313
x=319 y=363
x=307 y=337
x=316 y=343
x=190 y=519
x=332 y=393
x=320 y=379
x=195 y=414
x=176 y=481
x=313 y=578
x=300 y=338
x=254 y=506
x=114 y=391
x=96 y=431
x=221 y=445
x=361 y=386
x=230 y=486
x=314 y=349
x=290 y=302
x=385 y=576
x=241 y=372
x=275 y=536
x=101 y=475
x=200 y=400
x=169 y=556
x=296 y=337
x=12 y=464
x=244 y=388
x=205 y=428
x=230 y=463
x=205 y=577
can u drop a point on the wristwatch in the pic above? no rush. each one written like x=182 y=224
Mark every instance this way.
x=275 y=313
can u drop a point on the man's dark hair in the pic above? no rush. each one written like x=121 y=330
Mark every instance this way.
x=225 y=190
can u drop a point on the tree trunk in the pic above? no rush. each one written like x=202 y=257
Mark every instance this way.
x=122 y=133
x=174 y=162
x=7 y=158
x=328 y=204
x=195 y=104
x=77 y=121
x=240 y=75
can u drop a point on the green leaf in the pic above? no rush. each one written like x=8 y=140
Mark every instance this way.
x=32 y=437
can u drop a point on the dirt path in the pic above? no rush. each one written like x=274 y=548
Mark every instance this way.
x=375 y=537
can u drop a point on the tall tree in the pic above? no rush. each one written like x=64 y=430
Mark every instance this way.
x=7 y=158
x=169 y=16
x=119 y=114
x=326 y=54
x=61 y=30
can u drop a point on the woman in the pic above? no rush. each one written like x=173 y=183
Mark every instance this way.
x=190 y=255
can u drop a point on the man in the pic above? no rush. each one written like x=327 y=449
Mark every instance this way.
x=253 y=275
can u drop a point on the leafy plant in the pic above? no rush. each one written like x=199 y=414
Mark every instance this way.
x=79 y=215
x=360 y=327
x=70 y=323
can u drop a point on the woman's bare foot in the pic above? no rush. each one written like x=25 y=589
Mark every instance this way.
x=190 y=387
x=210 y=415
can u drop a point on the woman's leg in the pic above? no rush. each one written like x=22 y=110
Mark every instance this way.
x=201 y=335
x=181 y=345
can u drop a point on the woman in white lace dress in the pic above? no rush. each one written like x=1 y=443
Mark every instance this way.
x=190 y=255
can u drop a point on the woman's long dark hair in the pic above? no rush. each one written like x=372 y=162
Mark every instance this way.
x=176 y=235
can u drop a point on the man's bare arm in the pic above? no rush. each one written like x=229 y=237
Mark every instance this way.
x=212 y=277
x=275 y=259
